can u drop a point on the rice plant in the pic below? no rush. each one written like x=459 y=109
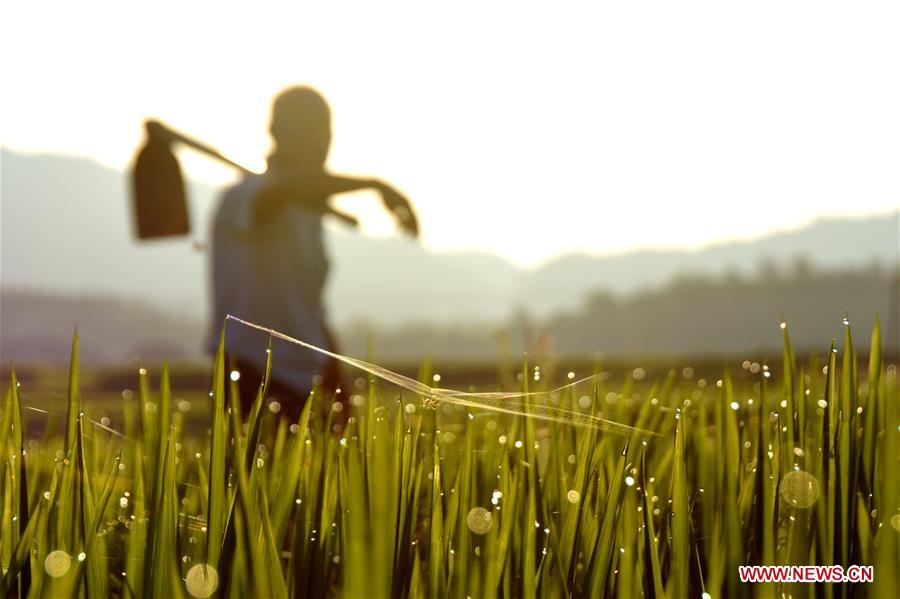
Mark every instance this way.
x=421 y=495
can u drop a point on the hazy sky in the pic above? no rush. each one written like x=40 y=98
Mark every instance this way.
x=525 y=132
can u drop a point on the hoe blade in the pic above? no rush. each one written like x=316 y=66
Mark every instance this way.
x=157 y=189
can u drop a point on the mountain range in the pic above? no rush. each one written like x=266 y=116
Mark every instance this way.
x=66 y=228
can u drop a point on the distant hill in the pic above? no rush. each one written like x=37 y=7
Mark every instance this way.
x=824 y=244
x=38 y=327
x=699 y=314
x=692 y=315
x=66 y=229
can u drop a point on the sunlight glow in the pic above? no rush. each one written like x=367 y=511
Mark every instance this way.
x=514 y=130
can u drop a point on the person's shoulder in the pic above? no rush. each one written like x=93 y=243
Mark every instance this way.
x=246 y=186
x=235 y=200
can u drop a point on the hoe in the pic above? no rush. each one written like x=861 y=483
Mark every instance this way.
x=157 y=186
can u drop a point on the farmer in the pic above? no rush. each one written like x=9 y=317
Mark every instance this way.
x=268 y=258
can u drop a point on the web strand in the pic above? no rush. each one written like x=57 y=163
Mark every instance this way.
x=509 y=402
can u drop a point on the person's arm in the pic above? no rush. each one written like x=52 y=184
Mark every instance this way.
x=315 y=190
x=395 y=202
x=311 y=190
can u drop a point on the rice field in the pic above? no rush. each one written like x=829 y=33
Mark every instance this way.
x=642 y=486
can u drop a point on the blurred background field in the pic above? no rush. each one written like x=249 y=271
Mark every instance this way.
x=68 y=259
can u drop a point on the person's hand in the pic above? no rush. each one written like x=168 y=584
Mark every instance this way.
x=400 y=208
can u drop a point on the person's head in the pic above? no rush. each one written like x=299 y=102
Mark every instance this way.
x=301 y=126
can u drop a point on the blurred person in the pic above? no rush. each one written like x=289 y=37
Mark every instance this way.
x=269 y=263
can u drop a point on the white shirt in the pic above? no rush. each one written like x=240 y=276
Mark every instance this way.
x=271 y=273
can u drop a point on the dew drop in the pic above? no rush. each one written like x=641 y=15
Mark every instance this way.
x=201 y=581
x=479 y=520
x=799 y=489
x=57 y=563
x=895 y=522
